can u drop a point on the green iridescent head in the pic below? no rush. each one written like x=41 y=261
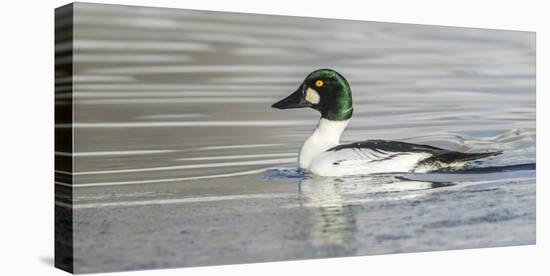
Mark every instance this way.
x=324 y=90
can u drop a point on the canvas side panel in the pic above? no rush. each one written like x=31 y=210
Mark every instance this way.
x=64 y=137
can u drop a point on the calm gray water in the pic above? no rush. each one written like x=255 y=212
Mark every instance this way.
x=180 y=161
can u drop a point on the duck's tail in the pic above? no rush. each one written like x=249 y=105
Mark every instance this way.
x=455 y=156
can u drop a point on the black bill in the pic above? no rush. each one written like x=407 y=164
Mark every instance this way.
x=295 y=100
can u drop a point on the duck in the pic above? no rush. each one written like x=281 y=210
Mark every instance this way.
x=329 y=93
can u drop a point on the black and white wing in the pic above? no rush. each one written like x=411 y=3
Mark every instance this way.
x=381 y=150
x=381 y=156
x=372 y=156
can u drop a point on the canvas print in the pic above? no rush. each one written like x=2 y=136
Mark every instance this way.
x=192 y=138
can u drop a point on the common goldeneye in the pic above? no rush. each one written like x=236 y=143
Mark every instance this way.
x=328 y=92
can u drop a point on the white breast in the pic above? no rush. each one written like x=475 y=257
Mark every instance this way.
x=326 y=136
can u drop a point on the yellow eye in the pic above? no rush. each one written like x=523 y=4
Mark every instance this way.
x=319 y=83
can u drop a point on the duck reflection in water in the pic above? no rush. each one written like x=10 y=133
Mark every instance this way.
x=337 y=202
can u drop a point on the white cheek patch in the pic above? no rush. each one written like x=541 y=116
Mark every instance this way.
x=312 y=96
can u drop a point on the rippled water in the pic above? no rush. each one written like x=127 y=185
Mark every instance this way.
x=180 y=161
